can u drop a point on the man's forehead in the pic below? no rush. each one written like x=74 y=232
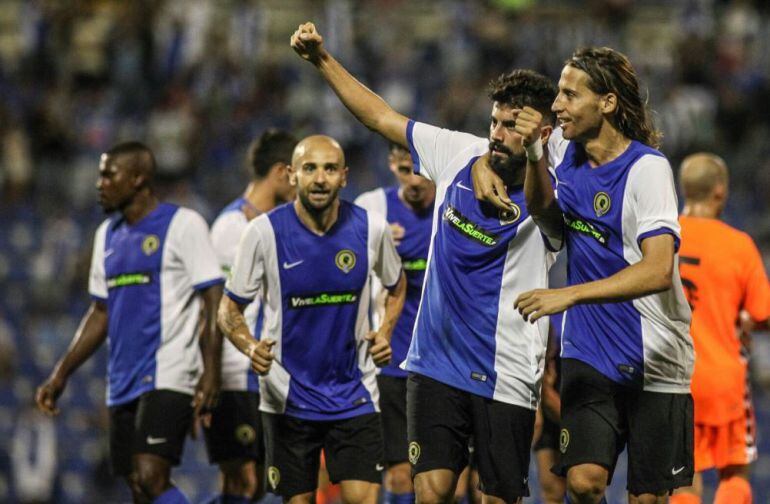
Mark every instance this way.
x=572 y=77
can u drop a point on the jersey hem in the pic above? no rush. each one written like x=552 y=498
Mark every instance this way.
x=658 y=232
x=238 y=299
x=208 y=283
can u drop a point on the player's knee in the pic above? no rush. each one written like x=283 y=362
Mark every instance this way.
x=151 y=479
x=359 y=492
x=239 y=478
x=398 y=479
x=429 y=489
x=586 y=485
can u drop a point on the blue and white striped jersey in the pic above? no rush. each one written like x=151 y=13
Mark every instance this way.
x=148 y=274
x=315 y=298
x=467 y=333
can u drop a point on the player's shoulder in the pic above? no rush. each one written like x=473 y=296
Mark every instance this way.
x=372 y=200
x=185 y=217
x=230 y=217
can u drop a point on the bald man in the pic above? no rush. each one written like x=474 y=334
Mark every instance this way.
x=310 y=262
x=153 y=269
x=722 y=273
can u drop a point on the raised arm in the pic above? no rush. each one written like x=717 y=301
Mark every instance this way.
x=368 y=107
x=88 y=338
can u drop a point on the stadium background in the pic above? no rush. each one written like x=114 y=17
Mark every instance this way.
x=197 y=79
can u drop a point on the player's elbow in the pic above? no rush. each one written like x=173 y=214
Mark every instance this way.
x=661 y=278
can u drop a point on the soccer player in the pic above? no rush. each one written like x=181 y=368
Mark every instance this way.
x=311 y=261
x=152 y=266
x=722 y=272
x=234 y=439
x=408 y=208
x=474 y=365
x=626 y=351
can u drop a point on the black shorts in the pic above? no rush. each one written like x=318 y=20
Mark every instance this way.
x=236 y=428
x=393 y=408
x=352 y=447
x=157 y=422
x=440 y=422
x=599 y=417
x=549 y=438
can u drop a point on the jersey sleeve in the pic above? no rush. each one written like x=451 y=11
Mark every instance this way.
x=372 y=201
x=196 y=251
x=557 y=146
x=225 y=235
x=245 y=280
x=387 y=263
x=757 y=296
x=97 y=281
x=433 y=149
x=654 y=198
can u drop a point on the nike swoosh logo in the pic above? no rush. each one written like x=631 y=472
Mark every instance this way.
x=155 y=440
x=461 y=186
x=677 y=471
x=291 y=265
x=108 y=253
x=379 y=467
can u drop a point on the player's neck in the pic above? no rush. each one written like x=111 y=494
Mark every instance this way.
x=140 y=207
x=260 y=196
x=606 y=146
x=701 y=209
x=318 y=222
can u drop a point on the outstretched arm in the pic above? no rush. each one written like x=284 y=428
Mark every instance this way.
x=367 y=106
x=88 y=338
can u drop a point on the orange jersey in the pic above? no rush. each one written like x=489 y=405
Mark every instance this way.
x=722 y=273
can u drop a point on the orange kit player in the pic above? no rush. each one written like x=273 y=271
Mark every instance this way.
x=722 y=274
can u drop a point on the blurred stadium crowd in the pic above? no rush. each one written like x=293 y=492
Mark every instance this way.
x=198 y=79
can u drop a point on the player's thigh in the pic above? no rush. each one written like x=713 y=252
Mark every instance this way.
x=502 y=440
x=593 y=424
x=292 y=454
x=660 y=442
x=439 y=425
x=353 y=449
x=163 y=420
x=393 y=415
x=122 y=427
x=235 y=432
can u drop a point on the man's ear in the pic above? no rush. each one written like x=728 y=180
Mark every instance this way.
x=608 y=103
x=344 y=177
x=545 y=133
x=292 y=175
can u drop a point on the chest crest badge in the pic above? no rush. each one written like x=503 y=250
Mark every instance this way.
x=510 y=216
x=345 y=260
x=150 y=244
x=602 y=203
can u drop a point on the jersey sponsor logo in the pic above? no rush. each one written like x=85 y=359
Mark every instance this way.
x=245 y=434
x=345 y=260
x=128 y=279
x=288 y=266
x=414 y=452
x=468 y=228
x=323 y=299
x=273 y=476
x=155 y=440
x=563 y=440
x=150 y=244
x=586 y=228
x=415 y=264
x=510 y=216
x=602 y=203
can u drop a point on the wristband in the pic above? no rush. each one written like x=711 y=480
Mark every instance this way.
x=534 y=151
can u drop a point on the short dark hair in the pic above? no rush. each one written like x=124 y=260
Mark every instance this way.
x=134 y=147
x=610 y=71
x=524 y=88
x=273 y=146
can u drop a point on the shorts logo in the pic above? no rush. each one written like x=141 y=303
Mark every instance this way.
x=273 y=476
x=602 y=203
x=150 y=244
x=345 y=260
x=245 y=434
x=563 y=440
x=414 y=452
x=510 y=216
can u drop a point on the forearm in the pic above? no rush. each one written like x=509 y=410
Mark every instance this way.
x=369 y=108
x=210 y=338
x=394 y=304
x=635 y=281
x=88 y=338
x=233 y=325
x=540 y=198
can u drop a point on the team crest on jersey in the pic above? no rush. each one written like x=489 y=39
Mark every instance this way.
x=245 y=434
x=414 y=452
x=150 y=244
x=510 y=216
x=345 y=260
x=563 y=440
x=602 y=203
x=273 y=476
